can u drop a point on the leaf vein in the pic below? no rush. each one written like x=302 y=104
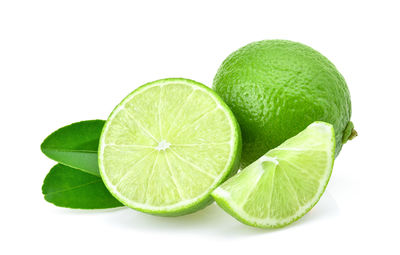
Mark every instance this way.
x=76 y=187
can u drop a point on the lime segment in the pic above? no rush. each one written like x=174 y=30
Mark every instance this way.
x=167 y=145
x=285 y=183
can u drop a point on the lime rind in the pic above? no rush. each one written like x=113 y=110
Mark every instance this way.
x=187 y=205
x=276 y=88
x=234 y=205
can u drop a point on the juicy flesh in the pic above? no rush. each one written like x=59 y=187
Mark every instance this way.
x=283 y=184
x=166 y=145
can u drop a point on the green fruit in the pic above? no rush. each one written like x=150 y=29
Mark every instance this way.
x=276 y=88
x=167 y=145
x=284 y=184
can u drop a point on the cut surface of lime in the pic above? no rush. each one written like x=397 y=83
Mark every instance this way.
x=285 y=183
x=167 y=145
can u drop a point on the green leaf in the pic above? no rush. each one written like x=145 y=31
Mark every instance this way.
x=76 y=145
x=68 y=187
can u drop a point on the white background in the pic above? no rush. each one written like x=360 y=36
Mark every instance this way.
x=66 y=61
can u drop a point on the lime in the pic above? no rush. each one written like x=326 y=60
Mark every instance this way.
x=167 y=145
x=284 y=184
x=277 y=88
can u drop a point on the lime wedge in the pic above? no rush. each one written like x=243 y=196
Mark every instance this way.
x=167 y=145
x=284 y=184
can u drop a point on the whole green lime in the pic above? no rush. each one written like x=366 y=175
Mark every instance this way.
x=276 y=88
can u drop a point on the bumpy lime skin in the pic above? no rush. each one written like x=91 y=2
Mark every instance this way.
x=276 y=88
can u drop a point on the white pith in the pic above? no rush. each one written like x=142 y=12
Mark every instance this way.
x=265 y=158
x=165 y=145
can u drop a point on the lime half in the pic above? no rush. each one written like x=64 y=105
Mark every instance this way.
x=167 y=145
x=284 y=184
